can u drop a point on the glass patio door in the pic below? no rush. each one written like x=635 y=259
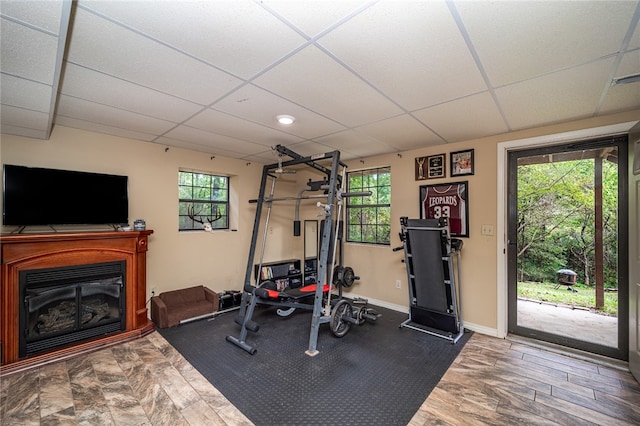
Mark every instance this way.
x=568 y=245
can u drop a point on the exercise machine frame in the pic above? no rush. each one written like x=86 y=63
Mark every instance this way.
x=432 y=259
x=334 y=193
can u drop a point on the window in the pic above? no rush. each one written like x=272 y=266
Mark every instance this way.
x=369 y=218
x=203 y=201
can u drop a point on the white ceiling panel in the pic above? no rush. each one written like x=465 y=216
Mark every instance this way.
x=258 y=105
x=102 y=128
x=309 y=148
x=352 y=144
x=193 y=144
x=314 y=80
x=401 y=133
x=239 y=36
x=21 y=131
x=419 y=42
x=42 y=14
x=225 y=124
x=517 y=40
x=103 y=114
x=27 y=52
x=364 y=77
x=23 y=93
x=314 y=17
x=114 y=50
x=450 y=120
x=570 y=93
x=93 y=86
x=214 y=140
x=23 y=118
x=624 y=96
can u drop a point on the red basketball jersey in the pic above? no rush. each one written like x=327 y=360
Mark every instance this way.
x=446 y=201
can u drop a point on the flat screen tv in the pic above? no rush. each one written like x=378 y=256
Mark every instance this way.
x=39 y=196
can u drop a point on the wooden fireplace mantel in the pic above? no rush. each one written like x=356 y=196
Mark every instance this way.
x=22 y=252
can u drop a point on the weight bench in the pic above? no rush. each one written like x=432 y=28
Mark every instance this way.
x=266 y=294
x=430 y=254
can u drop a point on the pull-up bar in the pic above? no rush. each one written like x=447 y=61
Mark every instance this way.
x=309 y=197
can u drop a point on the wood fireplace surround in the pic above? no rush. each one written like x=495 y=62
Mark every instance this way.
x=21 y=252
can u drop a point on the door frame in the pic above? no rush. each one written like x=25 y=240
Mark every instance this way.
x=503 y=149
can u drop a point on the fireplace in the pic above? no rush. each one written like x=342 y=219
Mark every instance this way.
x=64 y=294
x=70 y=304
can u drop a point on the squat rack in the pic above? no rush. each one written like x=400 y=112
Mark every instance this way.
x=334 y=194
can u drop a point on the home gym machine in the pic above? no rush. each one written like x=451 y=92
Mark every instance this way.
x=432 y=259
x=340 y=313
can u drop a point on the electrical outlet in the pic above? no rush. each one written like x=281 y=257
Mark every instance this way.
x=398 y=283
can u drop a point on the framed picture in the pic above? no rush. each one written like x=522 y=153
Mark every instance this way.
x=436 y=166
x=462 y=163
x=450 y=200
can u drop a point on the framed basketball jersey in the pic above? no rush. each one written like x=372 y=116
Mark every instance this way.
x=448 y=200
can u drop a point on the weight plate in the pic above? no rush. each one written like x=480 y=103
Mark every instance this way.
x=348 y=276
x=340 y=327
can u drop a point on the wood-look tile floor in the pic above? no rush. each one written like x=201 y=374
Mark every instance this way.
x=500 y=382
x=147 y=382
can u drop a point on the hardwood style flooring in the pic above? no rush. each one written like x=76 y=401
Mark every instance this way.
x=147 y=382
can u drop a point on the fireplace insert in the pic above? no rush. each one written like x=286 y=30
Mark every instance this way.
x=66 y=305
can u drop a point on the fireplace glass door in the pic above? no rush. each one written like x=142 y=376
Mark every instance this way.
x=70 y=304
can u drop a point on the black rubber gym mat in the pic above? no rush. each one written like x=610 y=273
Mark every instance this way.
x=378 y=374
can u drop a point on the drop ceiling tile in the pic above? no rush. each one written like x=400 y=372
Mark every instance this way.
x=527 y=39
x=467 y=118
x=260 y=106
x=103 y=114
x=25 y=93
x=25 y=118
x=309 y=148
x=196 y=146
x=93 y=86
x=629 y=64
x=412 y=51
x=315 y=17
x=225 y=124
x=21 y=131
x=621 y=98
x=315 y=81
x=15 y=41
x=634 y=43
x=105 y=46
x=354 y=144
x=566 y=95
x=101 y=128
x=240 y=37
x=42 y=14
x=213 y=140
x=402 y=133
x=625 y=96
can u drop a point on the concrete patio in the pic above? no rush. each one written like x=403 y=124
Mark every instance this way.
x=562 y=320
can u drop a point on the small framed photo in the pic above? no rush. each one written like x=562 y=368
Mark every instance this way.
x=447 y=200
x=462 y=163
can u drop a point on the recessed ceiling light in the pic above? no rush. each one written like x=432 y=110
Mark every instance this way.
x=285 y=119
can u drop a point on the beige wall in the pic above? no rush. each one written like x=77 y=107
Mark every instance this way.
x=175 y=259
x=379 y=267
x=219 y=259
